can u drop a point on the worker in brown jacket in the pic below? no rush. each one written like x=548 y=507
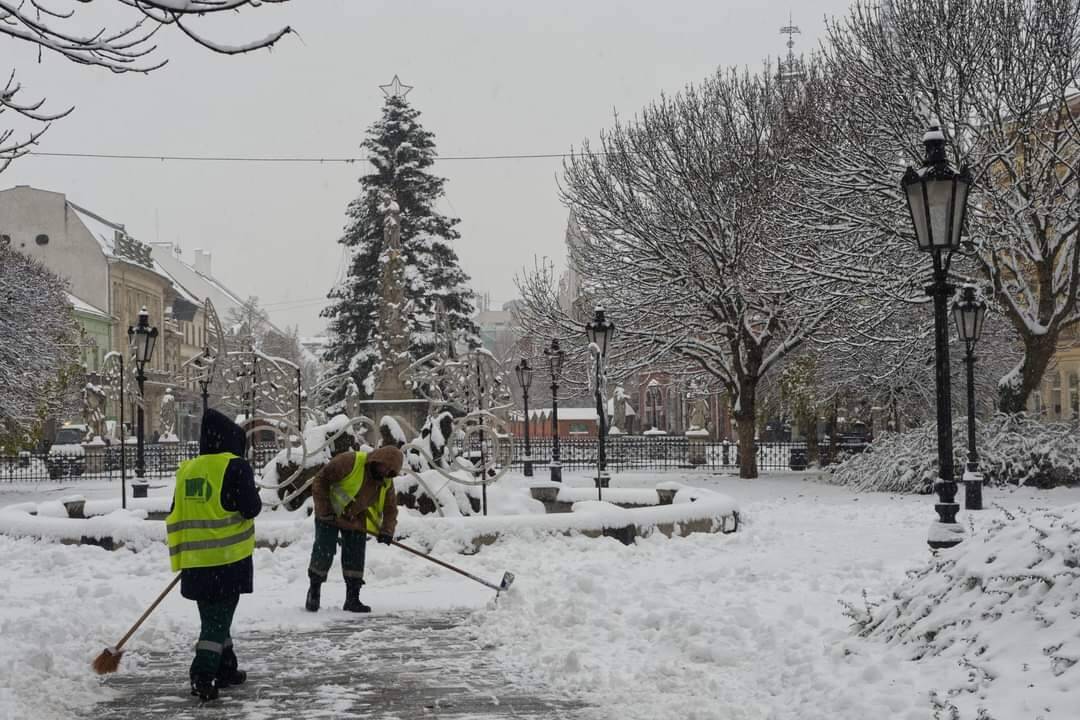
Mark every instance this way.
x=353 y=494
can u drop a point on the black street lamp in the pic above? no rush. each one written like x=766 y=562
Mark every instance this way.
x=937 y=200
x=524 y=376
x=600 y=331
x=141 y=338
x=202 y=363
x=969 y=311
x=555 y=356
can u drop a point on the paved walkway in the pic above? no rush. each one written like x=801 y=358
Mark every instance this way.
x=381 y=667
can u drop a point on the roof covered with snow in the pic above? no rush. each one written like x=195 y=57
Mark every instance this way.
x=195 y=286
x=86 y=308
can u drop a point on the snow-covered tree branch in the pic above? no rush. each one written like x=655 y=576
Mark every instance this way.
x=38 y=347
x=88 y=32
x=1000 y=76
x=681 y=223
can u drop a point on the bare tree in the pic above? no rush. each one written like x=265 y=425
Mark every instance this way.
x=87 y=32
x=1000 y=76
x=681 y=217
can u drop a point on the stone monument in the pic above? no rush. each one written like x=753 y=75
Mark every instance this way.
x=697 y=434
x=391 y=396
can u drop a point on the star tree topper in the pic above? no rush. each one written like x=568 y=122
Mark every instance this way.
x=395 y=88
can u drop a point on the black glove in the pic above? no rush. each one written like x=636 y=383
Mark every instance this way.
x=385 y=538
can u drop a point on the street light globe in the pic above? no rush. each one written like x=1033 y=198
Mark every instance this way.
x=524 y=373
x=969 y=312
x=600 y=330
x=141 y=338
x=936 y=196
x=555 y=356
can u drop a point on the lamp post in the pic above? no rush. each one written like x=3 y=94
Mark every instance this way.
x=600 y=331
x=969 y=311
x=937 y=200
x=141 y=338
x=524 y=376
x=203 y=364
x=555 y=356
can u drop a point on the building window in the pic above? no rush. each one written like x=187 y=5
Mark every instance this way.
x=579 y=428
x=42 y=239
x=1074 y=396
x=1055 y=394
x=5 y=240
x=1037 y=403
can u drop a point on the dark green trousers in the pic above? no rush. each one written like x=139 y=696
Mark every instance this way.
x=353 y=544
x=215 y=636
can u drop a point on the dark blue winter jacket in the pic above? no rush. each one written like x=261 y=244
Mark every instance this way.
x=238 y=493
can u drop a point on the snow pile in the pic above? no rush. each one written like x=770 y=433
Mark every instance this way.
x=1013 y=449
x=1003 y=606
x=431 y=488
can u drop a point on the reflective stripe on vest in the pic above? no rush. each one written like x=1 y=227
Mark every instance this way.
x=201 y=533
x=344 y=492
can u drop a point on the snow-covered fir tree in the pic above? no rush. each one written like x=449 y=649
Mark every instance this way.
x=401 y=151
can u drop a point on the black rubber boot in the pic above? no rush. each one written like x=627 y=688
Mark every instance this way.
x=229 y=672
x=352 y=597
x=314 y=595
x=202 y=686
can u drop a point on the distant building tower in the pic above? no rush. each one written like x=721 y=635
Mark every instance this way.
x=790 y=69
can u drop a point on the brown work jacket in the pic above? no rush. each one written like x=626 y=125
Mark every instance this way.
x=353 y=518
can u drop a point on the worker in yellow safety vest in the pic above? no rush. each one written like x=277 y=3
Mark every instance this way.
x=211 y=537
x=353 y=494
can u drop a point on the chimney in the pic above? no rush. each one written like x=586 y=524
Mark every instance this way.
x=202 y=262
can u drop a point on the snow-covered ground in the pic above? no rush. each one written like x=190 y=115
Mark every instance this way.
x=744 y=626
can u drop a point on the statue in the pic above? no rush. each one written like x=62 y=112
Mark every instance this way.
x=352 y=398
x=619 y=412
x=698 y=411
x=167 y=421
x=94 y=399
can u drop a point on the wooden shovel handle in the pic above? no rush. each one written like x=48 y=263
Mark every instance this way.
x=149 y=610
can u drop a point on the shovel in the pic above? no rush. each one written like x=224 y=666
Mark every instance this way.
x=503 y=586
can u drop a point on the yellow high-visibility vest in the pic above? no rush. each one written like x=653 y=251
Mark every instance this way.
x=343 y=493
x=201 y=533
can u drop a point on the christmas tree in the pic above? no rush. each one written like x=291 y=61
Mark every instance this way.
x=400 y=151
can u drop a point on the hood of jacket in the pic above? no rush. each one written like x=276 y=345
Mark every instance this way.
x=388 y=460
x=219 y=434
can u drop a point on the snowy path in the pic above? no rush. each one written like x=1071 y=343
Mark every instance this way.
x=376 y=667
x=708 y=627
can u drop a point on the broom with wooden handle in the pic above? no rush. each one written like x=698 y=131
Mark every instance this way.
x=109 y=659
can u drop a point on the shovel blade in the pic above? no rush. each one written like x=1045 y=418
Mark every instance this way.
x=507 y=581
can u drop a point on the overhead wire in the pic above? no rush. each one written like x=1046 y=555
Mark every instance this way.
x=290 y=159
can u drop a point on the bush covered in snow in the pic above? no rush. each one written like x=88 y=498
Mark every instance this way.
x=1004 y=605
x=1013 y=449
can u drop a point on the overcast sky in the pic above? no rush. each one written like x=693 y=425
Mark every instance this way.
x=491 y=77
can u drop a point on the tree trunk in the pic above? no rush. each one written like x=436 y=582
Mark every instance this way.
x=744 y=417
x=1038 y=351
x=810 y=431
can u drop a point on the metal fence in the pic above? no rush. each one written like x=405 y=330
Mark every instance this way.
x=665 y=452
x=628 y=452
x=103 y=463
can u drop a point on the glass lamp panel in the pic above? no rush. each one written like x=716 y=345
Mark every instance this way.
x=939 y=197
x=958 y=318
x=962 y=188
x=913 y=188
x=980 y=316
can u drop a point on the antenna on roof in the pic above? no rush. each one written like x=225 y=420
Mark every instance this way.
x=790 y=69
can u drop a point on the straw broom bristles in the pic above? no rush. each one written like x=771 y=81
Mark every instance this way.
x=109 y=659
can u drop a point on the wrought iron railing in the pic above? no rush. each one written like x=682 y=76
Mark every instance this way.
x=627 y=452
x=161 y=460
